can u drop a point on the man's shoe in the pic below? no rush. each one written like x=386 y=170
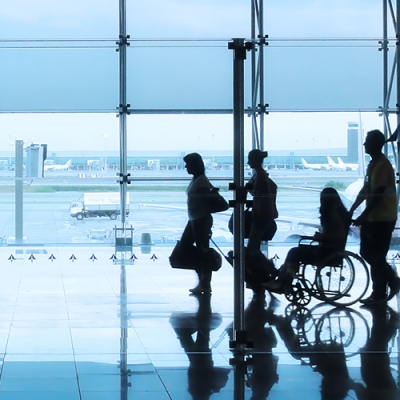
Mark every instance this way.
x=199 y=289
x=372 y=300
x=394 y=288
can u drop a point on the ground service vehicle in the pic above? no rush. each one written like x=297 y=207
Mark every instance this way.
x=98 y=205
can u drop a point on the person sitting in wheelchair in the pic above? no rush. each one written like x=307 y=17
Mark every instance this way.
x=335 y=222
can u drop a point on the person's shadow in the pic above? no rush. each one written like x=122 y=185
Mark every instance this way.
x=261 y=374
x=375 y=358
x=204 y=378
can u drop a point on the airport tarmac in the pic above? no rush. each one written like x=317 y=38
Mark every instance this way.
x=46 y=216
x=161 y=212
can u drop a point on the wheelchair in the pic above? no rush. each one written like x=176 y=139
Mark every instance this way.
x=340 y=279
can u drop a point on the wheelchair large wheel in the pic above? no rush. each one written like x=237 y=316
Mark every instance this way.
x=307 y=277
x=342 y=279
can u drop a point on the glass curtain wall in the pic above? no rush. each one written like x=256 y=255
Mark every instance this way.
x=59 y=80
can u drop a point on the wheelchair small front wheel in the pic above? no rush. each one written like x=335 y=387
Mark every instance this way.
x=298 y=295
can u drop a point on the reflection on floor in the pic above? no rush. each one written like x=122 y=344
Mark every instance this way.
x=87 y=327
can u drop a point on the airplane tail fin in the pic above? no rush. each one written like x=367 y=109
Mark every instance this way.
x=330 y=161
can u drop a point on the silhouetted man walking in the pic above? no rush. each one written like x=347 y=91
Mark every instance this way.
x=378 y=219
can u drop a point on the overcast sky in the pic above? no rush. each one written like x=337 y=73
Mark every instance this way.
x=78 y=79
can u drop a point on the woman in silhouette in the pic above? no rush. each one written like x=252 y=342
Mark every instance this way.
x=198 y=228
x=335 y=221
x=264 y=211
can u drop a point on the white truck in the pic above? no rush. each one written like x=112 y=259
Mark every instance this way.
x=98 y=205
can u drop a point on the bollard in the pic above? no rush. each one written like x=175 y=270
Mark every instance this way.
x=145 y=243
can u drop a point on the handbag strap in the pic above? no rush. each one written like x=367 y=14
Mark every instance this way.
x=223 y=254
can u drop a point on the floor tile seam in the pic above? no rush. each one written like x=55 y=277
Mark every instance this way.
x=12 y=319
x=70 y=336
x=116 y=294
x=164 y=385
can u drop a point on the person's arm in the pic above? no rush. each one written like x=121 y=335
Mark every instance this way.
x=362 y=195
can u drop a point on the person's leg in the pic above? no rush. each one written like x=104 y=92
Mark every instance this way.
x=201 y=229
x=255 y=235
x=375 y=241
x=187 y=241
x=382 y=237
x=367 y=251
x=289 y=269
x=187 y=238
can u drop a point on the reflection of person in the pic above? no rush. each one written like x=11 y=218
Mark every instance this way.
x=263 y=190
x=198 y=228
x=203 y=378
x=335 y=222
x=378 y=219
x=375 y=359
x=263 y=374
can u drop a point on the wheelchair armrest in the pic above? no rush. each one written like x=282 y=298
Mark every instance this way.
x=302 y=237
x=309 y=239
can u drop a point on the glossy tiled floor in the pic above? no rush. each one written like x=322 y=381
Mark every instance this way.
x=94 y=329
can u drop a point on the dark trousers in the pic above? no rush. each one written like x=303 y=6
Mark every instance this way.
x=374 y=244
x=198 y=232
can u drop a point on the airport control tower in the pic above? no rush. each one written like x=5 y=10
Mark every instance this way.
x=352 y=142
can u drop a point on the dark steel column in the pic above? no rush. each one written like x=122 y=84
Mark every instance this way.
x=239 y=48
x=238 y=343
x=261 y=72
x=254 y=77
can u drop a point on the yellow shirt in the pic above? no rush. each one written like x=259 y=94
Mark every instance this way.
x=380 y=174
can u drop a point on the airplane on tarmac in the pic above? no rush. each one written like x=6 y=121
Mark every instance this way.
x=58 y=167
x=347 y=166
x=305 y=164
x=335 y=166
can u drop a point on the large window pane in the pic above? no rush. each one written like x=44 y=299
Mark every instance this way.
x=323 y=75
x=323 y=19
x=89 y=142
x=67 y=19
x=171 y=75
x=170 y=19
x=159 y=180
x=58 y=79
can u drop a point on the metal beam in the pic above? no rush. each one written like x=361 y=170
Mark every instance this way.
x=239 y=55
x=257 y=109
x=123 y=108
